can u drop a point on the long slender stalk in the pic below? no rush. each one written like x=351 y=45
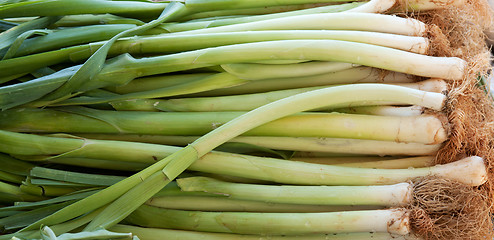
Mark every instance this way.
x=158 y=233
x=392 y=221
x=198 y=24
x=328 y=145
x=427 y=129
x=328 y=21
x=225 y=204
x=354 y=75
x=200 y=5
x=384 y=195
x=341 y=145
x=246 y=102
x=369 y=162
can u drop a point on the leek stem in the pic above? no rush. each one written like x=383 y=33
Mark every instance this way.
x=384 y=195
x=392 y=221
x=426 y=129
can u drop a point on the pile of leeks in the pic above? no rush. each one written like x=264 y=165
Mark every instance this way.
x=219 y=119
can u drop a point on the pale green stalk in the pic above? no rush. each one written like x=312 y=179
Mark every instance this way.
x=247 y=102
x=342 y=145
x=199 y=24
x=225 y=204
x=392 y=221
x=416 y=162
x=327 y=21
x=384 y=110
x=354 y=75
x=371 y=162
x=384 y=195
x=250 y=11
x=327 y=145
x=427 y=129
x=201 y=5
x=171 y=234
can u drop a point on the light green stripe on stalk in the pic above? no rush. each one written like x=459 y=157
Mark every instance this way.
x=384 y=195
x=172 y=234
x=427 y=129
x=271 y=223
x=226 y=204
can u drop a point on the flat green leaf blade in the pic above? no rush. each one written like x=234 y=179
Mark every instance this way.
x=9 y=36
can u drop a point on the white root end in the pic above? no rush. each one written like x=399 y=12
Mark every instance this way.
x=471 y=171
x=430 y=85
x=401 y=195
x=425 y=5
x=374 y=6
x=433 y=131
x=400 y=222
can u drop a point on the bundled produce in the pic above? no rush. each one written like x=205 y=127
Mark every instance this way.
x=238 y=119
